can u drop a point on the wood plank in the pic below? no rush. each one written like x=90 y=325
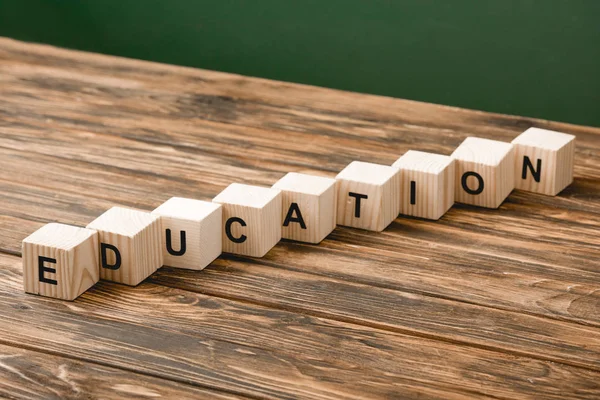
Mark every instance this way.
x=585 y=301
x=26 y=374
x=29 y=104
x=261 y=352
x=127 y=151
x=582 y=198
x=455 y=268
x=107 y=130
x=349 y=251
x=393 y=310
x=171 y=98
x=121 y=74
x=498 y=330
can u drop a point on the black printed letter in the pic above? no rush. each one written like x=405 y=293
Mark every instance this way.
x=104 y=258
x=230 y=221
x=290 y=216
x=42 y=269
x=358 y=197
x=181 y=250
x=537 y=173
x=413 y=192
x=479 y=182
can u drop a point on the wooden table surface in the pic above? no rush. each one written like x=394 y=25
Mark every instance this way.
x=482 y=303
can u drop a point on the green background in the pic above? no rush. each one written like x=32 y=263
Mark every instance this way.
x=539 y=58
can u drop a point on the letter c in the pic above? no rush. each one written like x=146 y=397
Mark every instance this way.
x=228 y=224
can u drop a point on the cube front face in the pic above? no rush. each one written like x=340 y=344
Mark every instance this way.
x=544 y=161
x=130 y=245
x=427 y=184
x=308 y=210
x=484 y=172
x=192 y=241
x=368 y=196
x=62 y=272
x=252 y=224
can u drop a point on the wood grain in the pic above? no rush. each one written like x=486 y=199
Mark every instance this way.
x=26 y=374
x=481 y=303
x=268 y=353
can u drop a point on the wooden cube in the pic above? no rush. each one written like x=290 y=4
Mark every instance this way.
x=368 y=195
x=308 y=207
x=191 y=232
x=544 y=161
x=130 y=245
x=60 y=261
x=251 y=219
x=484 y=172
x=427 y=184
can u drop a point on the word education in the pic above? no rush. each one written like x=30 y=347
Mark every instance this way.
x=126 y=246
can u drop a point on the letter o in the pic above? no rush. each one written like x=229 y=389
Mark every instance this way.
x=480 y=184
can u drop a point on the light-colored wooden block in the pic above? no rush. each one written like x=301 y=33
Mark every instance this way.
x=484 y=172
x=130 y=245
x=427 y=184
x=308 y=207
x=544 y=161
x=368 y=195
x=251 y=219
x=191 y=232
x=60 y=261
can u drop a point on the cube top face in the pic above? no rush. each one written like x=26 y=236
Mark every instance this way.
x=369 y=173
x=247 y=195
x=186 y=209
x=544 y=139
x=423 y=162
x=303 y=183
x=59 y=236
x=482 y=151
x=123 y=221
